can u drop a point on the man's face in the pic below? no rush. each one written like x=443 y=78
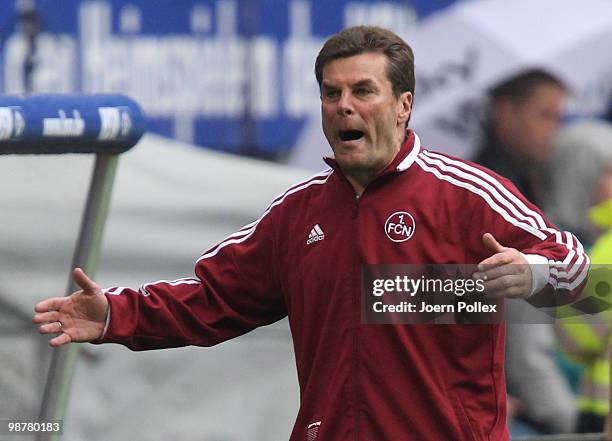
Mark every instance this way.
x=528 y=126
x=362 y=120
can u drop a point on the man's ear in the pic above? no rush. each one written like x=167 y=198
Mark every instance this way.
x=404 y=104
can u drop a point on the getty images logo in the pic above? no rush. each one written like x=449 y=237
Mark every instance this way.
x=316 y=234
x=400 y=226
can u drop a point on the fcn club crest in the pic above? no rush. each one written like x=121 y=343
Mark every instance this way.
x=400 y=226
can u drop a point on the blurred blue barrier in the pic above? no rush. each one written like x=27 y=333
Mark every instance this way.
x=108 y=124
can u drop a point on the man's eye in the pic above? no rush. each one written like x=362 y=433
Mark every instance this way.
x=331 y=94
x=362 y=91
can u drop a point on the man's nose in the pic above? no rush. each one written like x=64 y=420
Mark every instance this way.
x=345 y=104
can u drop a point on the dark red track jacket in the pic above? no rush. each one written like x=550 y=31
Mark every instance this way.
x=303 y=257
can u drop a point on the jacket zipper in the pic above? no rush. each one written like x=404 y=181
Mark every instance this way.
x=356 y=295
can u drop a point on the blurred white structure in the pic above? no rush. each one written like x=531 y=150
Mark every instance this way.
x=170 y=203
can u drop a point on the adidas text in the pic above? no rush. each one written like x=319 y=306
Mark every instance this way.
x=316 y=234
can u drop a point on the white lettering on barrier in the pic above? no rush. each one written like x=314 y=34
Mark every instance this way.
x=126 y=122
x=6 y=123
x=18 y=122
x=115 y=122
x=63 y=126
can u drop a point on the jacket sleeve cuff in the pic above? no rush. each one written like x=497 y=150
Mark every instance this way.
x=106 y=323
x=540 y=271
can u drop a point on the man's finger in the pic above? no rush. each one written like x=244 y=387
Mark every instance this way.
x=87 y=285
x=498 y=259
x=494 y=272
x=60 y=340
x=492 y=244
x=46 y=317
x=512 y=286
x=500 y=284
x=50 y=328
x=52 y=304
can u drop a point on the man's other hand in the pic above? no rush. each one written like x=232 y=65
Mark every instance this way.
x=506 y=273
x=79 y=317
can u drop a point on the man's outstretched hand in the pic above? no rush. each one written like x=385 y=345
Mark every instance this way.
x=506 y=272
x=79 y=317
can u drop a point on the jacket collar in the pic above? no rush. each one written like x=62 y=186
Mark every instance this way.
x=403 y=159
x=411 y=153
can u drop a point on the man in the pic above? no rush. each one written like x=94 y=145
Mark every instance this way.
x=303 y=258
x=581 y=197
x=526 y=110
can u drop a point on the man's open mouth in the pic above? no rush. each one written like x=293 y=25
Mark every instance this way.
x=350 y=135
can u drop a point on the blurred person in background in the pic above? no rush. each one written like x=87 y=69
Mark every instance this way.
x=29 y=26
x=303 y=258
x=25 y=50
x=580 y=174
x=524 y=116
x=581 y=198
x=525 y=112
